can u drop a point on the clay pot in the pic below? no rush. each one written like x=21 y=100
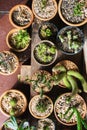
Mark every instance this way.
x=21 y=16
x=61 y=105
x=42 y=111
x=13 y=102
x=12 y=43
x=9 y=63
x=64 y=19
x=43 y=10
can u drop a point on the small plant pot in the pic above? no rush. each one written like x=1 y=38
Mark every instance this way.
x=62 y=105
x=48 y=31
x=8 y=63
x=14 y=122
x=72 y=13
x=40 y=107
x=18 y=40
x=45 y=53
x=46 y=123
x=44 y=10
x=69 y=65
x=13 y=102
x=70 y=40
x=21 y=16
x=41 y=81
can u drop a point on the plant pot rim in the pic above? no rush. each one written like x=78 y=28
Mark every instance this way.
x=15 y=25
x=69 y=65
x=7 y=40
x=44 y=19
x=49 y=120
x=13 y=91
x=48 y=23
x=65 y=21
x=16 y=65
x=55 y=57
x=18 y=120
x=36 y=116
x=64 y=29
x=48 y=75
x=59 y=120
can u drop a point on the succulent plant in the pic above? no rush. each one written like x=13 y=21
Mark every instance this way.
x=13 y=124
x=20 y=39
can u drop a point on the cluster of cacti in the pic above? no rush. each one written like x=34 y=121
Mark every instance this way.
x=69 y=78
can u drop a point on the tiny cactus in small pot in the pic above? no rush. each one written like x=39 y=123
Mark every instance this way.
x=18 y=39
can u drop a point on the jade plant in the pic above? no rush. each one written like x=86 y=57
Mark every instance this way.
x=20 y=39
x=13 y=124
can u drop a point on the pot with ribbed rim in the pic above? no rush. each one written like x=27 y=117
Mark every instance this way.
x=73 y=13
x=67 y=109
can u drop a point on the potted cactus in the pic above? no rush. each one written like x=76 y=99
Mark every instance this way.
x=40 y=81
x=13 y=102
x=70 y=40
x=48 y=31
x=70 y=110
x=44 y=9
x=45 y=53
x=18 y=39
x=17 y=124
x=21 y=16
x=9 y=63
x=40 y=107
x=75 y=14
x=46 y=124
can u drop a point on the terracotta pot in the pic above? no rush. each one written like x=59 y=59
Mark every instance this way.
x=69 y=65
x=40 y=114
x=11 y=63
x=7 y=104
x=40 y=60
x=46 y=123
x=66 y=21
x=41 y=84
x=18 y=22
x=10 y=44
x=44 y=12
x=61 y=105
